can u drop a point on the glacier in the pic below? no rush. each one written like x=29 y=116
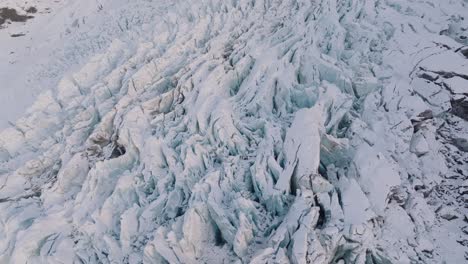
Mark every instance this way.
x=244 y=131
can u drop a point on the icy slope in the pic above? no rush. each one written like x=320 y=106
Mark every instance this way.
x=250 y=132
x=57 y=38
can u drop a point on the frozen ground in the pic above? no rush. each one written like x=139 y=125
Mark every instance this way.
x=332 y=131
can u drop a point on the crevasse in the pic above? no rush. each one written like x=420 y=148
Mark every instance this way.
x=247 y=132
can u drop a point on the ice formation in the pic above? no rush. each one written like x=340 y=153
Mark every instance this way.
x=251 y=131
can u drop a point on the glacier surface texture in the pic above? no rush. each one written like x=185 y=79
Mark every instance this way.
x=236 y=131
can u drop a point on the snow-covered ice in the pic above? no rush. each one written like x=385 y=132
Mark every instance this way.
x=265 y=131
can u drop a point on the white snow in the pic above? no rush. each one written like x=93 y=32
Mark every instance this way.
x=457 y=85
x=234 y=132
